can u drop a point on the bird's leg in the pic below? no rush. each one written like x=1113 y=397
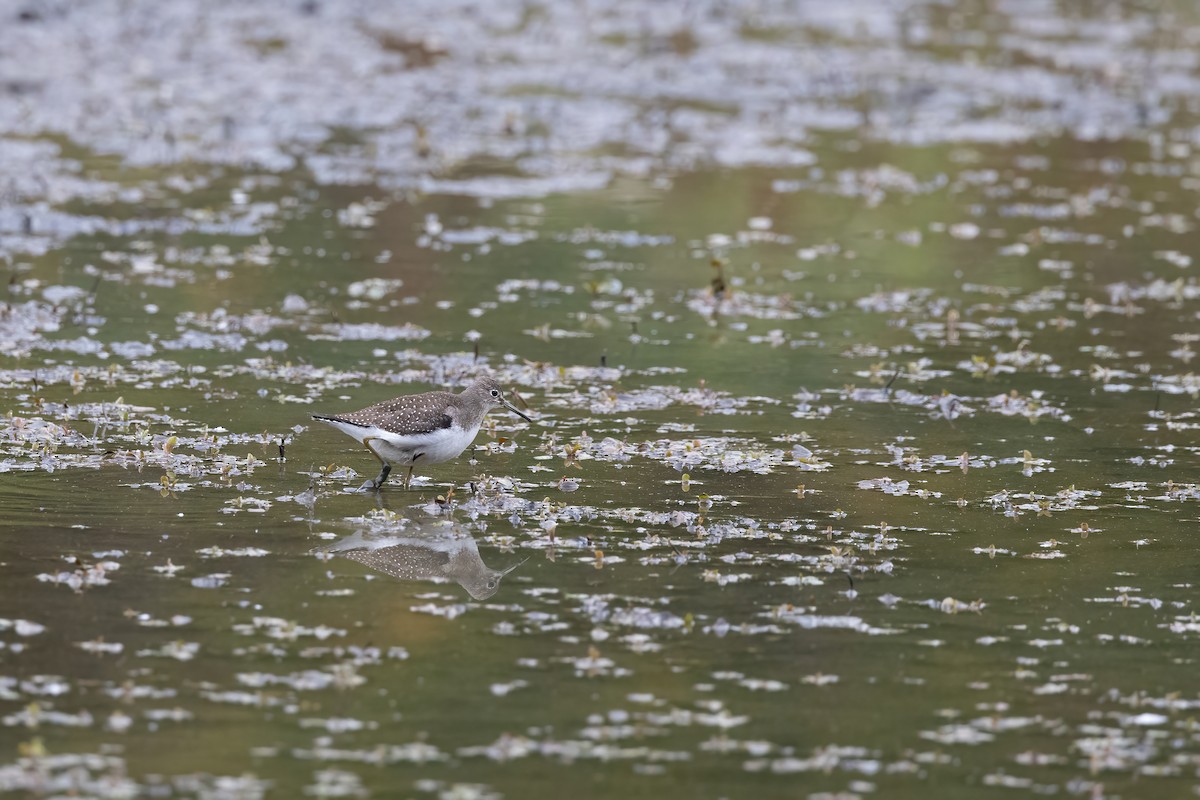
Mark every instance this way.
x=408 y=478
x=383 y=473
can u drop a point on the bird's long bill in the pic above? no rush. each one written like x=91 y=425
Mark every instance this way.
x=514 y=409
x=507 y=570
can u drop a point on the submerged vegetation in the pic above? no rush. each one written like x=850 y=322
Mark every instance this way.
x=860 y=340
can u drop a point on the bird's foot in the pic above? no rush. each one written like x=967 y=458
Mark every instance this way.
x=369 y=486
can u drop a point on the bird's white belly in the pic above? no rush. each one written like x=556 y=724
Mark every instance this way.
x=427 y=448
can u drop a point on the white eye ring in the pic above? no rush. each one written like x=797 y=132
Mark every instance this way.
x=495 y=392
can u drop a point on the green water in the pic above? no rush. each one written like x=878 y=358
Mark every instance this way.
x=771 y=626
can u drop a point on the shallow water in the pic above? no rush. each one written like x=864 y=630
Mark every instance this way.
x=871 y=473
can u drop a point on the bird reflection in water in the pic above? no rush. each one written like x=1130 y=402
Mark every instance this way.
x=427 y=553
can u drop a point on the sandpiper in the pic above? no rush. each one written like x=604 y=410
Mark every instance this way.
x=439 y=552
x=429 y=428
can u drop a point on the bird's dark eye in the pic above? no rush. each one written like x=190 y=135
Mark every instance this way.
x=495 y=392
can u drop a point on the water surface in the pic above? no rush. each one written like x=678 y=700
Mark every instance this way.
x=871 y=472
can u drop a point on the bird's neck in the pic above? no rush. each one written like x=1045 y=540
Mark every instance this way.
x=465 y=419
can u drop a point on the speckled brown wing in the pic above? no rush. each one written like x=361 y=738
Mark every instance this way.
x=404 y=562
x=416 y=413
